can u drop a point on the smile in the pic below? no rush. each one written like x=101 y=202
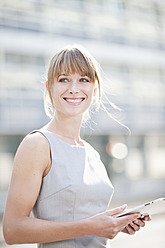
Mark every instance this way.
x=74 y=100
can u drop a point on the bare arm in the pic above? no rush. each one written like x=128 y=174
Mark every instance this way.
x=31 y=162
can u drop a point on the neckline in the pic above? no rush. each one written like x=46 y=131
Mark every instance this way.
x=75 y=146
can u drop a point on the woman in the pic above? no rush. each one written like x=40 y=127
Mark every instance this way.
x=57 y=175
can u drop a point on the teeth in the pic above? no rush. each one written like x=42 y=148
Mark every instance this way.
x=73 y=100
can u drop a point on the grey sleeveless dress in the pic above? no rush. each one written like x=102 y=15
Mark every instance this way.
x=76 y=187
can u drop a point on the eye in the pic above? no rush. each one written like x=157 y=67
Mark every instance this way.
x=63 y=80
x=84 y=80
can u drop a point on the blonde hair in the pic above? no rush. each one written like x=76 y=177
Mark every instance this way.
x=73 y=59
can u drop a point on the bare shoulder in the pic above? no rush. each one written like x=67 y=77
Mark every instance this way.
x=35 y=142
x=34 y=150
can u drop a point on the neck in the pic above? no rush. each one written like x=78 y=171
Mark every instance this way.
x=66 y=127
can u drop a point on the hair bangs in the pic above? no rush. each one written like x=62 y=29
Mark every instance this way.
x=73 y=61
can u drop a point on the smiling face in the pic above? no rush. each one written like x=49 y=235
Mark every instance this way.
x=72 y=94
x=73 y=76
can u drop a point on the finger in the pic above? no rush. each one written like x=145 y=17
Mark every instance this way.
x=124 y=230
x=124 y=221
x=116 y=211
x=134 y=226
x=130 y=230
x=139 y=222
x=146 y=218
x=130 y=217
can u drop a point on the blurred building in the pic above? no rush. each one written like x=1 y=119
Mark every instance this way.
x=128 y=40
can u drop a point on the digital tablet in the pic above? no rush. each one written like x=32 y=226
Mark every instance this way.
x=149 y=208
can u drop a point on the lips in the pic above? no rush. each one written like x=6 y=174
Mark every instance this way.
x=74 y=100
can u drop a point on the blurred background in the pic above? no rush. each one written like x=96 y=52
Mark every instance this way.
x=128 y=40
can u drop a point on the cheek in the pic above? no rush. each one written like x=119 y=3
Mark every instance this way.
x=55 y=95
x=90 y=90
x=56 y=90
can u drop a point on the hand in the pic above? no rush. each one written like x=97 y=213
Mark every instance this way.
x=135 y=226
x=107 y=225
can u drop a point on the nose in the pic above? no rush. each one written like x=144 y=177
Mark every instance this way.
x=73 y=87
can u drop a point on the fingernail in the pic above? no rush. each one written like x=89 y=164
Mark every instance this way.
x=124 y=206
x=139 y=216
